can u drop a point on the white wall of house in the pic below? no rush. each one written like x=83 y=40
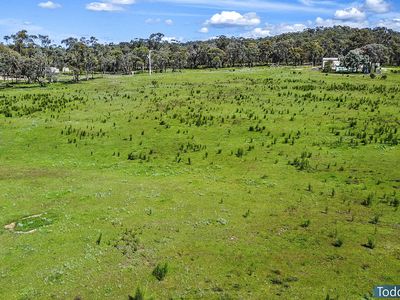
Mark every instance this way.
x=335 y=62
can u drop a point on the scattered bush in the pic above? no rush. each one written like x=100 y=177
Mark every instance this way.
x=395 y=203
x=239 y=152
x=300 y=164
x=139 y=295
x=160 y=271
x=98 y=241
x=375 y=220
x=370 y=244
x=305 y=224
x=337 y=243
x=368 y=201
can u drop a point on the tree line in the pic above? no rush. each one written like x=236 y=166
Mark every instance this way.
x=35 y=57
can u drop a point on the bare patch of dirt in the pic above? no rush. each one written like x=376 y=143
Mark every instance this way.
x=10 y=226
x=7 y=173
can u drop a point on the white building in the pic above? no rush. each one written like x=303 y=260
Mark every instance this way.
x=51 y=73
x=335 y=62
x=52 y=70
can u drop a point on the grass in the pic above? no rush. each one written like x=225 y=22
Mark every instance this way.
x=240 y=181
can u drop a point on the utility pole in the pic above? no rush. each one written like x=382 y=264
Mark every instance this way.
x=149 y=57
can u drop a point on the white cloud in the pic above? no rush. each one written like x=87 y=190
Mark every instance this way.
x=152 y=21
x=377 y=6
x=255 y=5
x=103 y=6
x=172 y=39
x=360 y=17
x=233 y=19
x=334 y=22
x=109 y=5
x=49 y=5
x=275 y=29
x=258 y=33
x=203 y=30
x=168 y=22
x=317 y=2
x=123 y=2
x=13 y=25
x=351 y=13
x=285 y=28
x=393 y=23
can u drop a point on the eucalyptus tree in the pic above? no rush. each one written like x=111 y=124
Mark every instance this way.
x=222 y=42
x=178 y=56
x=315 y=51
x=216 y=57
x=155 y=40
x=265 y=51
x=34 y=67
x=193 y=55
x=75 y=56
x=160 y=59
x=10 y=63
x=86 y=56
x=235 y=52
x=89 y=58
x=20 y=40
x=377 y=53
x=394 y=51
x=251 y=53
x=355 y=59
x=142 y=51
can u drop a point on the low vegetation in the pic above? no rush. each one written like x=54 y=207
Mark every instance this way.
x=273 y=183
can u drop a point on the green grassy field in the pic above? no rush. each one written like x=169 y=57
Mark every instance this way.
x=248 y=183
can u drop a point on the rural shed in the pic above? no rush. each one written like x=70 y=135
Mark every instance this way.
x=335 y=62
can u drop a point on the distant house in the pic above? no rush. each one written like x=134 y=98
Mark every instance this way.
x=52 y=70
x=51 y=73
x=345 y=70
x=333 y=61
x=66 y=70
x=376 y=67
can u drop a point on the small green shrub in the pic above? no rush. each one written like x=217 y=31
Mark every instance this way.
x=239 y=152
x=305 y=224
x=370 y=244
x=160 y=271
x=368 y=200
x=139 y=295
x=375 y=220
x=98 y=241
x=395 y=203
x=337 y=243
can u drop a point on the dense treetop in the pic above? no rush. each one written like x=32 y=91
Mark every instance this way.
x=30 y=56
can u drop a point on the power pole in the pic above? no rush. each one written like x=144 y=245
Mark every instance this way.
x=149 y=57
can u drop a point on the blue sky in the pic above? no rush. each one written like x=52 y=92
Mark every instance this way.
x=124 y=20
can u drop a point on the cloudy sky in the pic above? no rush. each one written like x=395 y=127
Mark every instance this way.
x=124 y=20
